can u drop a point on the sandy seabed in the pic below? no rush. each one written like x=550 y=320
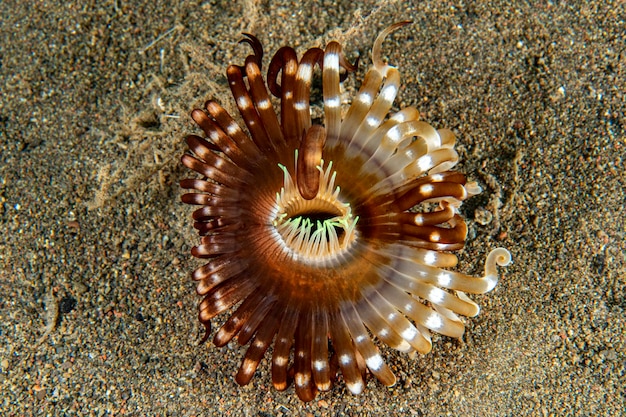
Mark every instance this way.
x=97 y=311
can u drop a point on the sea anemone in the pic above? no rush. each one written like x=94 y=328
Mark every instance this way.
x=332 y=238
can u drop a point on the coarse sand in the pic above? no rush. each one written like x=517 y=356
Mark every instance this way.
x=97 y=308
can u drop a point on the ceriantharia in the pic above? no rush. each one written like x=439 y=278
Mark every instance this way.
x=327 y=236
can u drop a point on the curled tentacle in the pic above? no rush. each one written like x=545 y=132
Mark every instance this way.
x=256 y=46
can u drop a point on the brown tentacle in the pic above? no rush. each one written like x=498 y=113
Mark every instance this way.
x=263 y=105
x=302 y=92
x=247 y=110
x=455 y=234
x=285 y=61
x=309 y=158
x=226 y=123
x=256 y=46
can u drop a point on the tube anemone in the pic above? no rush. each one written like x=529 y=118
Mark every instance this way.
x=327 y=237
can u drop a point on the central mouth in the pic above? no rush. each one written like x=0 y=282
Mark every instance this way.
x=318 y=230
x=321 y=219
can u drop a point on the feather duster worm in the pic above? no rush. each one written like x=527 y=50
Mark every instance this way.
x=330 y=236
